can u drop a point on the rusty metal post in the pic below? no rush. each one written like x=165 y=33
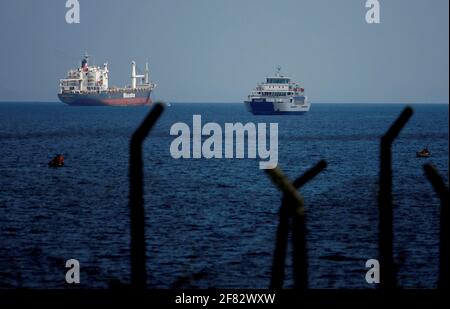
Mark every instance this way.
x=279 y=255
x=387 y=271
x=292 y=206
x=136 y=200
x=296 y=209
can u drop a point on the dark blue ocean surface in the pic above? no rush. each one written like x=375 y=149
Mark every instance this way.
x=211 y=223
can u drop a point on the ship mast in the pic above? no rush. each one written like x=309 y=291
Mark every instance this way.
x=278 y=71
x=134 y=76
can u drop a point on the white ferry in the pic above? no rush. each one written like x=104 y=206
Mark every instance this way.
x=278 y=95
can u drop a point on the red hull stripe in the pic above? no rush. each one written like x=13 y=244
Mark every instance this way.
x=122 y=102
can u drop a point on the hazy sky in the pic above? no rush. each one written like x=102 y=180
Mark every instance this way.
x=217 y=50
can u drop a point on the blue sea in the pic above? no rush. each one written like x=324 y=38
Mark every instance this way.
x=211 y=223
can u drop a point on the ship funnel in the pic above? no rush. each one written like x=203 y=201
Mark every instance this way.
x=85 y=61
x=146 y=73
x=133 y=74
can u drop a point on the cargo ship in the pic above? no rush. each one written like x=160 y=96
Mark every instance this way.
x=278 y=95
x=88 y=86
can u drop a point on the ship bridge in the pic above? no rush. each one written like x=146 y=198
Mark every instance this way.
x=277 y=80
x=277 y=86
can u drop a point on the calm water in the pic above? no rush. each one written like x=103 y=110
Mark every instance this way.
x=210 y=223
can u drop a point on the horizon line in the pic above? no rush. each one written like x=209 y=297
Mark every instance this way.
x=234 y=102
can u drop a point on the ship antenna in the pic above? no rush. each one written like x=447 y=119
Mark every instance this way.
x=278 y=70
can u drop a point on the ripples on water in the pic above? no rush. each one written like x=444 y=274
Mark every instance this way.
x=210 y=223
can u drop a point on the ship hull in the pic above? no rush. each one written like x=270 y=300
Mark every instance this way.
x=266 y=107
x=107 y=98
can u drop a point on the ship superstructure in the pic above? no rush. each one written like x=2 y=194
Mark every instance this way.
x=89 y=85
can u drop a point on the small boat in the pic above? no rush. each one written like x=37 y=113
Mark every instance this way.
x=424 y=153
x=57 y=161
